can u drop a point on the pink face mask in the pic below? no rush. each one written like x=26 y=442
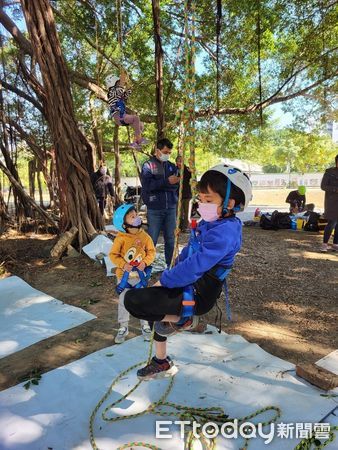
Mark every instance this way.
x=208 y=211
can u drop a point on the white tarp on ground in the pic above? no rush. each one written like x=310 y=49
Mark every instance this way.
x=27 y=316
x=101 y=244
x=214 y=370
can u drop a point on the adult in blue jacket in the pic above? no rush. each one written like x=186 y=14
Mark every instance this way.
x=223 y=191
x=160 y=193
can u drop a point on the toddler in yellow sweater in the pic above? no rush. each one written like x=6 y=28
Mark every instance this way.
x=132 y=248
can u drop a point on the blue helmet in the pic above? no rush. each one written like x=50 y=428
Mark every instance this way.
x=120 y=214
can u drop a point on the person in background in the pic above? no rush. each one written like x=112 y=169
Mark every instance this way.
x=103 y=185
x=297 y=200
x=330 y=186
x=159 y=192
x=186 y=194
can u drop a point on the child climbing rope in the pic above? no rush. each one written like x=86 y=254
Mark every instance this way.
x=223 y=191
x=132 y=252
x=117 y=97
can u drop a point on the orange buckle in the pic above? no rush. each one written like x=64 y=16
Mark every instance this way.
x=188 y=302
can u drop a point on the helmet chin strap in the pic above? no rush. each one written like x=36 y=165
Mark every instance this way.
x=227 y=196
x=126 y=225
x=226 y=200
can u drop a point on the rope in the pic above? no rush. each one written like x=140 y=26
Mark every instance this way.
x=259 y=67
x=188 y=114
x=160 y=407
x=218 y=45
x=312 y=442
x=119 y=32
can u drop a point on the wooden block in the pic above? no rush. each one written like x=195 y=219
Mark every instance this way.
x=318 y=376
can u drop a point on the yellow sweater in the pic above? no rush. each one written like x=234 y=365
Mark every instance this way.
x=132 y=249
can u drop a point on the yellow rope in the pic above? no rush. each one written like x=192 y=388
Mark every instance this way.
x=160 y=407
x=187 y=119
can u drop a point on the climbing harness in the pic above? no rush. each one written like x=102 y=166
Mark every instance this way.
x=188 y=301
x=144 y=278
x=221 y=272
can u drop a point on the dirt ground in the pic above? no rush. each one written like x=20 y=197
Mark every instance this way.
x=283 y=293
x=277 y=197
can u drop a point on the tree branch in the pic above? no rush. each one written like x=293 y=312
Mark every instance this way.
x=272 y=100
x=20 y=39
x=22 y=94
x=86 y=38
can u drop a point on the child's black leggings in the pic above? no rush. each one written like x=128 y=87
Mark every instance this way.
x=154 y=303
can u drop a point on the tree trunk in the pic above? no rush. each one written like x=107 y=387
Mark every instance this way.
x=38 y=175
x=29 y=200
x=31 y=177
x=158 y=69
x=73 y=153
x=4 y=216
x=96 y=136
x=54 y=184
x=41 y=155
x=118 y=194
x=21 y=206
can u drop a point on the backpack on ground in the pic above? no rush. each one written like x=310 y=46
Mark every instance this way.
x=266 y=223
x=312 y=223
x=281 y=220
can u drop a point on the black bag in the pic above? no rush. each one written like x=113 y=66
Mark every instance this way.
x=281 y=220
x=312 y=223
x=266 y=223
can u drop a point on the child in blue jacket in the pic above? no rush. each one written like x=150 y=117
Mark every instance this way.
x=223 y=191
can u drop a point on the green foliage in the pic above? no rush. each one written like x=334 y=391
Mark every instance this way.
x=298 y=49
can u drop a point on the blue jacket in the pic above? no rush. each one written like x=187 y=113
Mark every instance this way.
x=220 y=240
x=157 y=192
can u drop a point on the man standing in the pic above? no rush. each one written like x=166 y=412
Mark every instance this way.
x=159 y=192
x=102 y=184
x=330 y=186
x=186 y=193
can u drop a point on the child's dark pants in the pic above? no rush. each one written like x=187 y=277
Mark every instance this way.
x=154 y=303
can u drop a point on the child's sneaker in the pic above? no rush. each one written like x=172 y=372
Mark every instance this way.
x=334 y=247
x=121 y=335
x=143 y=141
x=146 y=331
x=135 y=145
x=324 y=248
x=169 y=328
x=156 y=369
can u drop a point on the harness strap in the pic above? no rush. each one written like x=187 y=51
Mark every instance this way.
x=221 y=272
x=144 y=278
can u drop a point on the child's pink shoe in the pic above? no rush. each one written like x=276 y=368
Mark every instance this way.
x=138 y=143
x=143 y=141
x=135 y=145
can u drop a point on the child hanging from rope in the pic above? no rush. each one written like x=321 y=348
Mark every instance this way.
x=117 y=97
x=132 y=249
x=223 y=191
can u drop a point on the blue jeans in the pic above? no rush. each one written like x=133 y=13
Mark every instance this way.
x=165 y=220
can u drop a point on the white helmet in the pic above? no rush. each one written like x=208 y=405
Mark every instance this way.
x=111 y=81
x=237 y=178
